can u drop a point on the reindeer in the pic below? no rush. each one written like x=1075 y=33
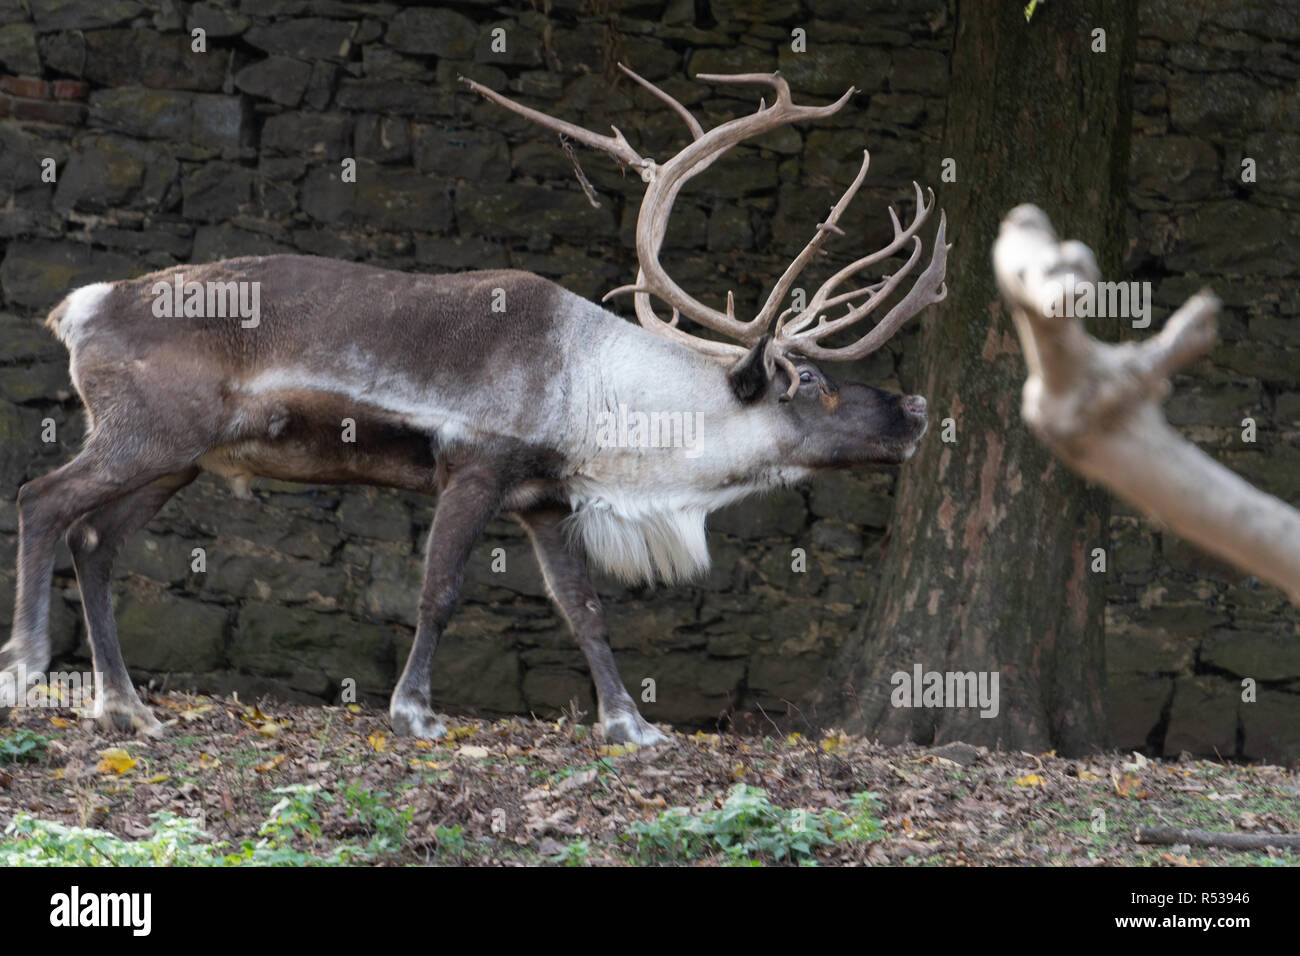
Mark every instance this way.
x=490 y=411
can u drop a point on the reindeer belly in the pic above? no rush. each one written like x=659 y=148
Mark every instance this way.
x=323 y=438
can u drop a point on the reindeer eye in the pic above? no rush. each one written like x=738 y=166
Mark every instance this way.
x=805 y=376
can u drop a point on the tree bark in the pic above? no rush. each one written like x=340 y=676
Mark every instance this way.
x=989 y=560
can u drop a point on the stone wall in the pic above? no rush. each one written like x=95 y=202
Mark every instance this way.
x=165 y=155
x=1216 y=83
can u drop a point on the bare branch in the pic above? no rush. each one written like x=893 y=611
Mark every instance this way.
x=1096 y=407
x=1172 y=836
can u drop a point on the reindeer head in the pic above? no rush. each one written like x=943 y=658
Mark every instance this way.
x=825 y=423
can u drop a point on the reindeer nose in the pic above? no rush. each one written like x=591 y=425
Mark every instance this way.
x=915 y=404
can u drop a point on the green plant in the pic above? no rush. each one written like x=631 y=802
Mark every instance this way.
x=575 y=853
x=295 y=812
x=23 y=746
x=176 y=841
x=387 y=825
x=451 y=841
x=750 y=828
x=294 y=816
x=180 y=841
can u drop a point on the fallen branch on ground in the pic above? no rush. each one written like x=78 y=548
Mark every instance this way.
x=1172 y=836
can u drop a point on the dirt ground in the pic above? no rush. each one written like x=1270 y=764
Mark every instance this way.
x=531 y=791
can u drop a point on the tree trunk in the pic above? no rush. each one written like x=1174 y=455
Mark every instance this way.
x=989 y=563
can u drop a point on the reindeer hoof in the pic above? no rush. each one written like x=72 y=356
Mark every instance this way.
x=632 y=729
x=136 y=719
x=415 y=720
x=16 y=666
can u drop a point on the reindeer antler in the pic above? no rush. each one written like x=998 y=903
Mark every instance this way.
x=665 y=180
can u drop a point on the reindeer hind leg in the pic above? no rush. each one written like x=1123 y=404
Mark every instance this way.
x=48 y=505
x=464 y=508
x=95 y=540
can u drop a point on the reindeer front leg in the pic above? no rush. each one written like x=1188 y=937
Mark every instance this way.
x=465 y=506
x=564 y=566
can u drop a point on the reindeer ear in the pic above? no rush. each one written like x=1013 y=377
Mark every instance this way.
x=750 y=375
